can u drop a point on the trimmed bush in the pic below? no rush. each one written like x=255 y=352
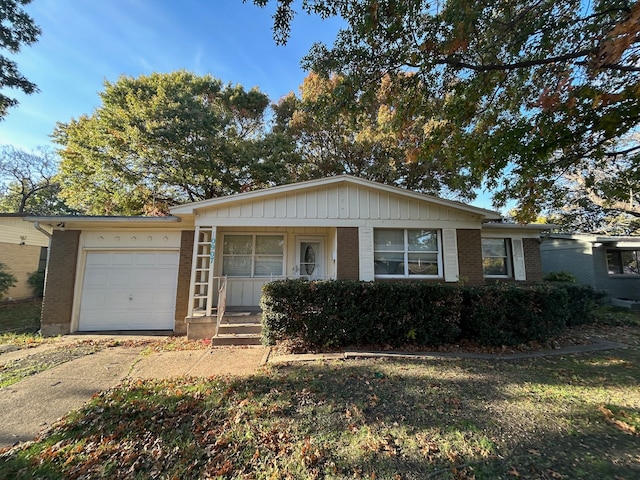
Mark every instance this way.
x=583 y=301
x=560 y=276
x=343 y=313
x=349 y=313
x=510 y=314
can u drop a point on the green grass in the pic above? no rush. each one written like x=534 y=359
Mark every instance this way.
x=558 y=417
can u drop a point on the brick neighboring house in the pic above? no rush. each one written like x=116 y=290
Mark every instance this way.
x=23 y=249
x=213 y=256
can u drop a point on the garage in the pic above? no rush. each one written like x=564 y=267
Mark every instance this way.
x=129 y=290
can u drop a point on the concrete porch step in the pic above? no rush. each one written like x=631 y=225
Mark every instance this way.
x=239 y=328
x=227 y=339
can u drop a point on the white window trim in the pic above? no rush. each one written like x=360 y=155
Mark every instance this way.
x=253 y=254
x=509 y=258
x=406 y=252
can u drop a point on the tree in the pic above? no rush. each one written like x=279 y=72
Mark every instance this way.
x=515 y=93
x=159 y=140
x=28 y=182
x=17 y=28
x=602 y=200
x=367 y=141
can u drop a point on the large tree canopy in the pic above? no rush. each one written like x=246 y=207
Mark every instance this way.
x=162 y=139
x=512 y=93
x=367 y=141
x=17 y=28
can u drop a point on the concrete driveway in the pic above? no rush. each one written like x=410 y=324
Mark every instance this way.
x=38 y=401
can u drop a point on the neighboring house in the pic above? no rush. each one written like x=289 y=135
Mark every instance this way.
x=139 y=273
x=607 y=263
x=23 y=250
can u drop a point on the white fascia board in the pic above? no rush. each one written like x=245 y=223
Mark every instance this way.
x=529 y=230
x=102 y=222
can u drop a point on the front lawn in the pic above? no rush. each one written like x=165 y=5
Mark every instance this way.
x=559 y=417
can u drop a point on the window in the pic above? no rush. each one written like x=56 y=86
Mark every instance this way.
x=407 y=253
x=253 y=255
x=496 y=258
x=623 y=262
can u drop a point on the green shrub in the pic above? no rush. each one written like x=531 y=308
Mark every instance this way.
x=511 y=314
x=583 y=300
x=560 y=276
x=7 y=280
x=349 y=313
x=343 y=313
x=36 y=280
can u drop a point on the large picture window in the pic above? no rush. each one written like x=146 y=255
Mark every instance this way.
x=253 y=255
x=623 y=262
x=496 y=257
x=407 y=253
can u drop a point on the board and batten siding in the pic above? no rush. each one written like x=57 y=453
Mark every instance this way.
x=338 y=205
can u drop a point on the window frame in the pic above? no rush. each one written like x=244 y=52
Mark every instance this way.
x=618 y=252
x=406 y=252
x=508 y=258
x=253 y=253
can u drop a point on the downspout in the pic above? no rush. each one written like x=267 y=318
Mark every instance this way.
x=46 y=267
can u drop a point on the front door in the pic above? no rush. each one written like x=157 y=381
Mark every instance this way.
x=310 y=258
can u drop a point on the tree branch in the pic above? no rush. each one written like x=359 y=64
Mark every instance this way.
x=517 y=65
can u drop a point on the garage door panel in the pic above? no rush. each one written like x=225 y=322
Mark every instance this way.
x=122 y=259
x=98 y=258
x=146 y=259
x=168 y=260
x=129 y=291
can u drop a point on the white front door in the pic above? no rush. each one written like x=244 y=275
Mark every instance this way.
x=310 y=261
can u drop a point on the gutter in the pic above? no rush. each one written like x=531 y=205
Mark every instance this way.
x=40 y=229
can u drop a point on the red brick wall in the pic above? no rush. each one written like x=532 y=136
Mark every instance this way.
x=470 y=256
x=348 y=254
x=57 y=304
x=184 y=280
x=532 y=259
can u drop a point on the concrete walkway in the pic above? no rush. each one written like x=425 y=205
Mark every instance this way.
x=38 y=401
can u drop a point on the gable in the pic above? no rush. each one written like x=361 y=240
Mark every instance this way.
x=334 y=202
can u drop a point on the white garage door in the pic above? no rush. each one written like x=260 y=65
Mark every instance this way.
x=129 y=291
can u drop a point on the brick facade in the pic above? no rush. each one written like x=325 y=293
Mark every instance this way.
x=184 y=280
x=470 y=256
x=348 y=254
x=57 y=304
x=532 y=259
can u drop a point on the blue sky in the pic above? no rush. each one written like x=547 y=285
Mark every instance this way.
x=85 y=42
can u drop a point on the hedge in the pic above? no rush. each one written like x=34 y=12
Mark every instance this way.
x=350 y=313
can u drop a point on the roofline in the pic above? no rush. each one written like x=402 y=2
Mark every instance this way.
x=594 y=238
x=190 y=208
x=100 y=219
x=519 y=226
x=60 y=221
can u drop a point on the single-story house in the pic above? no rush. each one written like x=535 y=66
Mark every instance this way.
x=213 y=256
x=23 y=251
x=608 y=263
